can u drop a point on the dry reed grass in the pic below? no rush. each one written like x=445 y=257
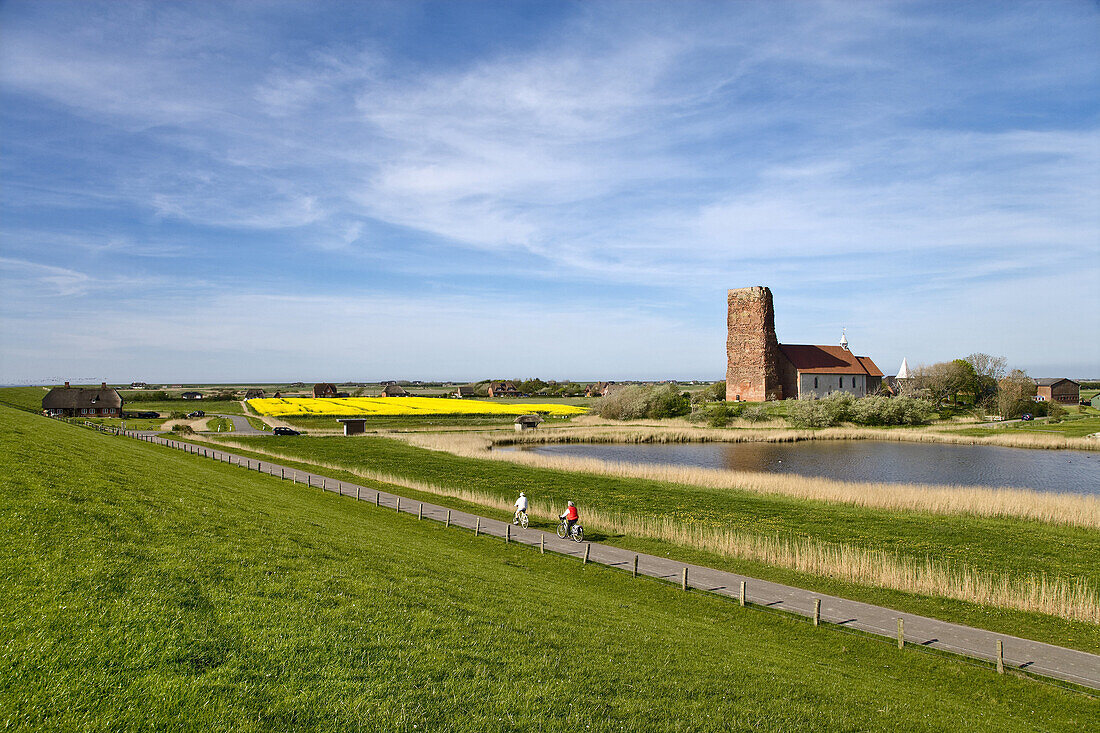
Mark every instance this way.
x=1071 y=509
x=1070 y=599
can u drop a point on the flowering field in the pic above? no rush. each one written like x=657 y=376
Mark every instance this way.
x=354 y=406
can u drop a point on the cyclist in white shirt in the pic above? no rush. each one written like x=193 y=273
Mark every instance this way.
x=521 y=507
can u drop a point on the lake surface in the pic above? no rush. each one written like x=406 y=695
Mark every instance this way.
x=867 y=460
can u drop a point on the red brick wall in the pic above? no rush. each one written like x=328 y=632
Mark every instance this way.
x=753 y=360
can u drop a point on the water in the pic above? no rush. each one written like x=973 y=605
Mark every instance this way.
x=1061 y=471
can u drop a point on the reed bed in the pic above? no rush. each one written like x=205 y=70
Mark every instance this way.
x=1070 y=509
x=1066 y=598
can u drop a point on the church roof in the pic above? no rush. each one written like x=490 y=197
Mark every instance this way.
x=828 y=360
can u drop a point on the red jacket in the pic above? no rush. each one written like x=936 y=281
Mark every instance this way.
x=571 y=514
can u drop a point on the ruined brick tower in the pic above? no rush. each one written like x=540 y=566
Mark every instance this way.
x=752 y=350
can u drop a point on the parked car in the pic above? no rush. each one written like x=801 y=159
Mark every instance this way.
x=285 y=431
x=196 y=413
x=1026 y=416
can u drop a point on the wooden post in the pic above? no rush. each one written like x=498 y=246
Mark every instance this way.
x=259 y=466
x=634 y=572
x=684 y=581
x=399 y=505
x=1000 y=657
x=741 y=596
x=282 y=473
x=901 y=633
x=542 y=543
x=507 y=533
x=817 y=611
x=324 y=484
x=587 y=547
x=477 y=526
x=420 y=511
x=357 y=493
x=448 y=524
x=377 y=498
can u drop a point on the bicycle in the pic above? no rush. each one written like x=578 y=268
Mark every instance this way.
x=577 y=535
x=522 y=520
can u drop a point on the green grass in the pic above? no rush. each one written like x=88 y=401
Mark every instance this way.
x=207 y=597
x=219 y=425
x=1013 y=547
x=257 y=423
x=25 y=398
x=1072 y=426
x=229 y=407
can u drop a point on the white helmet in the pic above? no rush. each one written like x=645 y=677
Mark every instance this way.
x=571 y=504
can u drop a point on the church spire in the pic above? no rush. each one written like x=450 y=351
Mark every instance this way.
x=844 y=339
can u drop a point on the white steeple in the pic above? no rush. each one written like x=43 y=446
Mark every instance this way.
x=844 y=339
x=903 y=370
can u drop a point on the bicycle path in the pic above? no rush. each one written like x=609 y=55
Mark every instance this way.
x=1035 y=657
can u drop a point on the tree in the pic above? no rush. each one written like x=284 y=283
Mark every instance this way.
x=1015 y=394
x=988 y=370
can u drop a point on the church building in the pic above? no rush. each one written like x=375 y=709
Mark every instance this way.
x=759 y=368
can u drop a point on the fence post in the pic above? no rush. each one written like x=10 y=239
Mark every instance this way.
x=259 y=467
x=587 y=547
x=1000 y=657
x=477 y=526
x=741 y=596
x=448 y=524
x=420 y=511
x=901 y=633
x=399 y=505
x=507 y=533
x=324 y=484
x=684 y=583
x=634 y=572
x=542 y=543
x=357 y=489
x=378 y=498
x=817 y=611
x=282 y=473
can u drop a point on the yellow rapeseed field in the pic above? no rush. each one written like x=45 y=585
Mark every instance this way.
x=353 y=406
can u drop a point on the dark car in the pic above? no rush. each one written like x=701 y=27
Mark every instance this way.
x=285 y=431
x=196 y=413
x=1026 y=416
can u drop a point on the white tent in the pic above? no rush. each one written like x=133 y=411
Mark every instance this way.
x=903 y=370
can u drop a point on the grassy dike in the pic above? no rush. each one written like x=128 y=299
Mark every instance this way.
x=201 y=596
x=1009 y=547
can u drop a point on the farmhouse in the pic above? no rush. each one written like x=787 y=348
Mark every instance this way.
x=191 y=395
x=503 y=389
x=759 y=368
x=101 y=401
x=466 y=390
x=394 y=390
x=324 y=389
x=1058 y=390
x=254 y=394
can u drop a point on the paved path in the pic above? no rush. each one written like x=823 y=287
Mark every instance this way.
x=1036 y=657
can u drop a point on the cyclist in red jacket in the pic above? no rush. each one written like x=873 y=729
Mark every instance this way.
x=571 y=516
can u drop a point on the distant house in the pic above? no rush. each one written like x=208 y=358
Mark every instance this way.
x=394 y=390
x=137 y=385
x=191 y=395
x=278 y=395
x=1058 y=390
x=324 y=389
x=527 y=422
x=503 y=389
x=1095 y=401
x=254 y=394
x=599 y=389
x=101 y=401
x=466 y=390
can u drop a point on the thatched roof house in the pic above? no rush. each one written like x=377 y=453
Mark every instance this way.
x=394 y=390
x=101 y=401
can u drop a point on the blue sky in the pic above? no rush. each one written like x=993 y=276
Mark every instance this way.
x=288 y=190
